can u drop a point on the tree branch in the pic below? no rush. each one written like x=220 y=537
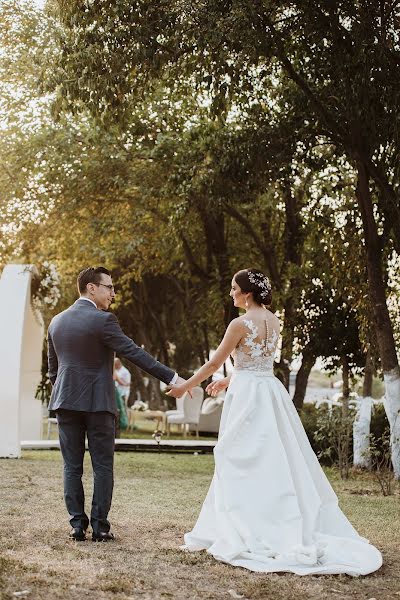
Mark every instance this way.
x=194 y=267
x=332 y=123
x=267 y=253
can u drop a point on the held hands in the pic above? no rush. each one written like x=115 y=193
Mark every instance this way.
x=179 y=388
x=215 y=387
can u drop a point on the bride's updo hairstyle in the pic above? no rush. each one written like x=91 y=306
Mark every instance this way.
x=252 y=280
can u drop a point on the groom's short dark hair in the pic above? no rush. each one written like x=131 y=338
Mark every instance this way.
x=90 y=275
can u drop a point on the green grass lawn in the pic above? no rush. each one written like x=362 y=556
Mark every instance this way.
x=157 y=498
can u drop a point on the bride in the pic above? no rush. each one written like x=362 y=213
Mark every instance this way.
x=270 y=506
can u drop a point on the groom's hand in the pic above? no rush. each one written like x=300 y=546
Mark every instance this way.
x=179 y=388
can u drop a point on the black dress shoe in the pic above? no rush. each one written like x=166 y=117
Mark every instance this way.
x=78 y=534
x=102 y=536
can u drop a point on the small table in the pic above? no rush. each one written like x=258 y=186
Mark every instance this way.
x=157 y=415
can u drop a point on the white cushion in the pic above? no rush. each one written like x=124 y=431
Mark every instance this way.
x=209 y=406
x=171 y=412
x=177 y=418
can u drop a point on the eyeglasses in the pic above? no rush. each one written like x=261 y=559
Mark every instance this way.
x=109 y=287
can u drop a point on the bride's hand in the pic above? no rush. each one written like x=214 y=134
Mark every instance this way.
x=215 y=387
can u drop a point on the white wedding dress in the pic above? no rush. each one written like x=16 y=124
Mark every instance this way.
x=270 y=506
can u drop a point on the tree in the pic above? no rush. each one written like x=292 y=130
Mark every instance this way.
x=208 y=112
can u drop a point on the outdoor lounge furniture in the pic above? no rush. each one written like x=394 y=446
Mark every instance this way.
x=210 y=415
x=156 y=415
x=179 y=407
x=50 y=421
x=190 y=414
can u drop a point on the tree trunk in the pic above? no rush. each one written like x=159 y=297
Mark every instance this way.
x=293 y=243
x=158 y=326
x=214 y=231
x=283 y=371
x=303 y=374
x=138 y=385
x=156 y=400
x=381 y=318
x=283 y=367
x=368 y=376
x=362 y=422
x=344 y=435
x=389 y=203
x=346 y=386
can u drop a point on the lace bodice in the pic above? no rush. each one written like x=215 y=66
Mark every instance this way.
x=255 y=352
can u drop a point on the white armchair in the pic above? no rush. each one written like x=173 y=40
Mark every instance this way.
x=190 y=413
x=179 y=407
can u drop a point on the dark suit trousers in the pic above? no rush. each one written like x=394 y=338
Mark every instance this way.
x=100 y=430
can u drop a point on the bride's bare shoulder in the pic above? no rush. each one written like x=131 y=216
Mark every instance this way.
x=240 y=325
x=236 y=328
x=238 y=321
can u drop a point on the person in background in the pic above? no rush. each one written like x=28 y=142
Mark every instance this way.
x=121 y=419
x=122 y=379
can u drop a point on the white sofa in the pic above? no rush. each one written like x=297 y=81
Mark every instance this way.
x=210 y=415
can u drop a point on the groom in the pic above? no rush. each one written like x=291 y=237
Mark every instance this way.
x=82 y=341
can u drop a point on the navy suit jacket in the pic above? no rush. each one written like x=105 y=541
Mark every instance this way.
x=82 y=341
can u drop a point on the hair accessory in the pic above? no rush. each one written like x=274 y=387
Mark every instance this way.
x=262 y=282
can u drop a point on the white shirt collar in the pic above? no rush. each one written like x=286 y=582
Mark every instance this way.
x=88 y=299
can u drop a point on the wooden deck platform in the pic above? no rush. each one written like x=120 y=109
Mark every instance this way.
x=135 y=445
